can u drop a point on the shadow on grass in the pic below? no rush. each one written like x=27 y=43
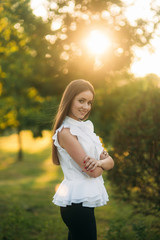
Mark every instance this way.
x=31 y=216
x=30 y=166
x=27 y=188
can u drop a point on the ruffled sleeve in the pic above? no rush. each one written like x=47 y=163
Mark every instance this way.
x=55 y=137
x=74 y=130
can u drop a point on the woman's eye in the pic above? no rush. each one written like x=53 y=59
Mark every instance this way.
x=89 y=103
x=81 y=101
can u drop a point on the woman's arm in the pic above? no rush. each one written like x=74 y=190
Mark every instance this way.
x=71 y=144
x=106 y=162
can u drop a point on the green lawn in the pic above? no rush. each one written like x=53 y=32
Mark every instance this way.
x=26 y=191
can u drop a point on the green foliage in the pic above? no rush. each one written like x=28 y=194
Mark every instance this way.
x=26 y=85
x=108 y=101
x=26 y=207
x=127 y=225
x=13 y=223
x=136 y=143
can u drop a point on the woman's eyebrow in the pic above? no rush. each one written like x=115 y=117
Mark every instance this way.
x=82 y=98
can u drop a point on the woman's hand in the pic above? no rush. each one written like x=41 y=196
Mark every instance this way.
x=106 y=162
x=90 y=163
x=104 y=155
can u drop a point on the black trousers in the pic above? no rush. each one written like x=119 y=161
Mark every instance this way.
x=80 y=221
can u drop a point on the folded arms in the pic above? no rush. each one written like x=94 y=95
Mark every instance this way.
x=91 y=166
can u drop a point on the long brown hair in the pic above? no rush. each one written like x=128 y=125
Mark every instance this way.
x=74 y=88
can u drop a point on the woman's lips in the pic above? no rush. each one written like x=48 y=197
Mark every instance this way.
x=83 y=112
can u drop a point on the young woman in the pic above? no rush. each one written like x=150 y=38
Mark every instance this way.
x=82 y=158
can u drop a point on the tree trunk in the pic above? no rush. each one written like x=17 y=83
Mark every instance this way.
x=20 y=153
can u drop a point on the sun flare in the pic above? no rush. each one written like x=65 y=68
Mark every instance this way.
x=97 y=42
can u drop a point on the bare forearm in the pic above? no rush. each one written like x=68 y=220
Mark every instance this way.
x=96 y=167
x=107 y=163
x=97 y=172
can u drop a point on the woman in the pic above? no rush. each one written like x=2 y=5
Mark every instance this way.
x=79 y=152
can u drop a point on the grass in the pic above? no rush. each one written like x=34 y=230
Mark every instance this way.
x=26 y=191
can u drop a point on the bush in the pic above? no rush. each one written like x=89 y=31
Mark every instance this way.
x=133 y=227
x=136 y=143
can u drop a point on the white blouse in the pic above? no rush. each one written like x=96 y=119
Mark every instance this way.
x=77 y=186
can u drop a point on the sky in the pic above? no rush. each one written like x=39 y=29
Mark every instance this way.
x=147 y=59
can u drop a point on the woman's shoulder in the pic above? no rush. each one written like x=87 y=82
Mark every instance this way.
x=90 y=125
x=64 y=133
x=65 y=136
x=68 y=127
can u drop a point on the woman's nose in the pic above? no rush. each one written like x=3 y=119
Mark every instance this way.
x=85 y=105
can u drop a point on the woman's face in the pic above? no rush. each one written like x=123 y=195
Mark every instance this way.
x=81 y=105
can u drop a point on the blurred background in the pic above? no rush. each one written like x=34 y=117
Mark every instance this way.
x=45 y=44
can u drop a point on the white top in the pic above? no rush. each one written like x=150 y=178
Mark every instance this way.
x=77 y=186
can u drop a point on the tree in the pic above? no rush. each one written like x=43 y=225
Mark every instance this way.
x=23 y=63
x=136 y=144
x=40 y=60
x=77 y=19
